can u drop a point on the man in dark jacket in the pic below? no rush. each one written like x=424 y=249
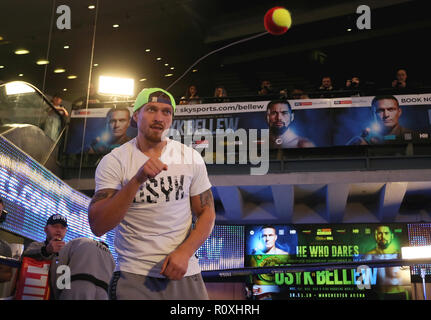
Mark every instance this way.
x=55 y=230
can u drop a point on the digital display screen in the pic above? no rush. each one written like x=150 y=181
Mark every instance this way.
x=420 y=235
x=31 y=194
x=278 y=245
x=224 y=249
x=271 y=240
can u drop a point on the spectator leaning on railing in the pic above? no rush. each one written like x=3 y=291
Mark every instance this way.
x=297 y=94
x=326 y=87
x=220 y=92
x=401 y=84
x=191 y=96
x=354 y=85
x=266 y=88
x=56 y=102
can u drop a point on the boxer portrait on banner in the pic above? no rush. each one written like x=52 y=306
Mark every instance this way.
x=279 y=117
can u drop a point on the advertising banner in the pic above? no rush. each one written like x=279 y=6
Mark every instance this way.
x=278 y=245
x=307 y=123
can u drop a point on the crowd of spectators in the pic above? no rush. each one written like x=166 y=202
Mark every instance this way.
x=354 y=86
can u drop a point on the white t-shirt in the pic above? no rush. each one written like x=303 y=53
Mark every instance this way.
x=159 y=218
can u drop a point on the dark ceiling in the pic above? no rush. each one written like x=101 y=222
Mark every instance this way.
x=181 y=31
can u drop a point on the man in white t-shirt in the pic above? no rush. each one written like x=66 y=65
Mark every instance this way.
x=147 y=189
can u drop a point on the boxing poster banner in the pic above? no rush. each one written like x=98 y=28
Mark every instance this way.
x=381 y=120
x=278 y=245
x=104 y=129
x=306 y=123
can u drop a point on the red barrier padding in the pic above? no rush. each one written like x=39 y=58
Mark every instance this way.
x=33 y=281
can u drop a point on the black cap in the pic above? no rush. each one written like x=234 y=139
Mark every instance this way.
x=57 y=218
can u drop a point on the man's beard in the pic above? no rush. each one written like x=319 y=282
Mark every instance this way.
x=277 y=131
x=155 y=138
x=383 y=244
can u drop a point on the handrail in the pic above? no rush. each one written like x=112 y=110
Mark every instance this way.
x=301 y=267
x=11 y=262
x=53 y=146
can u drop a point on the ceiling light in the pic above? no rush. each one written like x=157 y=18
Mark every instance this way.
x=66 y=47
x=195 y=70
x=349 y=29
x=172 y=68
x=59 y=70
x=22 y=51
x=17 y=87
x=166 y=64
x=21 y=75
x=169 y=75
x=1 y=67
x=95 y=65
x=91 y=7
x=1 y=38
x=158 y=59
x=116 y=86
x=147 y=50
x=42 y=62
x=65 y=89
x=115 y=25
x=72 y=76
x=143 y=79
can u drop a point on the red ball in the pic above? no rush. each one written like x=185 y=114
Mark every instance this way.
x=269 y=24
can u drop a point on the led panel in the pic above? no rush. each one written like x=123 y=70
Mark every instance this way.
x=32 y=194
x=420 y=235
x=224 y=249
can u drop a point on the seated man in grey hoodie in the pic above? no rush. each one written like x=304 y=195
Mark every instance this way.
x=91 y=267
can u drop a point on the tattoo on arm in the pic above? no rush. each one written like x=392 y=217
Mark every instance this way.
x=207 y=199
x=103 y=194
